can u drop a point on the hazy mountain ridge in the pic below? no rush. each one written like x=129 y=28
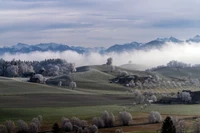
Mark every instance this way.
x=117 y=48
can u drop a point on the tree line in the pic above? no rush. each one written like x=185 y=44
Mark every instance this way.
x=49 y=67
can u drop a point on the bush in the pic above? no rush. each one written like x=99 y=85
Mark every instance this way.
x=37 y=122
x=83 y=123
x=155 y=117
x=55 y=128
x=75 y=121
x=10 y=126
x=196 y=126
x=86 y=130
x=124 y=118
x=3 y=129
x=118 y=131
x=154 y=98
x=68 y=127
x=108 y=119
x=22 y=126
x=33 y=128
x=64 y=120
x=40 y=119
x=93 y=129
x=180 y=128
x=98 y=122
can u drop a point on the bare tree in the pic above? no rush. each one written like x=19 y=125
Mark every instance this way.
x=12 y=71
x=154 y=98
x=60 y=83
x=72 y=85
x=108 y=119
x=155 y=117
x=93 y=129
x=3 y=129
x=196 y=126
x=124 y=118
x=75 y=121
x=118 y=131
x=185 y=96
x=139 y=98
x=180 y=127
x=68 y=127
x=37 y=122
x=22 y=126
x=109 y=61
x=33 y=128
x=98 y=122
x=10 y=126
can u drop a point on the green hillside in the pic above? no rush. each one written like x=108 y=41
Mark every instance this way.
x=180 y=73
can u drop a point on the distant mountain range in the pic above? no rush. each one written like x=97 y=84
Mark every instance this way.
x=55 y=47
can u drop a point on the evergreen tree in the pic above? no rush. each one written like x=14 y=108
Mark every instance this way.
x=55 y=128
x=168 y=126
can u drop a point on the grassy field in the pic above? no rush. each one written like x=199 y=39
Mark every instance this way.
x=22 y=100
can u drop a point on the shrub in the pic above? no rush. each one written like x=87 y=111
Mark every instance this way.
x=77 y=129
x=93 y=129
x=180 y=128
x=86 y=130
x=55 y=128
x=155 y=117
x=3 y=129
x=22 y=126
x=68 y=127
x=124 y=118
x=118 y=131
x=64 y=120
x=98 y=122
x=83 y=123
x=154 y=98
x=10 y=126
x=75 y=121
x=40 y=119
x=33 y=128
x=37 y=122
x=108 y=119
x=196 y=126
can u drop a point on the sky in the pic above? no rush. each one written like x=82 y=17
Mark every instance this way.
x=94 y=23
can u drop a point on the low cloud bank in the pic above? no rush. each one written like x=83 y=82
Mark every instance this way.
x=185 y=52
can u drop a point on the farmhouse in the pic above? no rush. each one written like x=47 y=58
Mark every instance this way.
x=34 y=80
x=195 y=98
x=127 y=79
x=28 y=74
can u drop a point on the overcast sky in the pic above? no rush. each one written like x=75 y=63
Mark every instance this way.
x=94 y=23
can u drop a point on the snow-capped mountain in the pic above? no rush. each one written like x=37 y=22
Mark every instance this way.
x=195 y=39
x=157 y=43
x=55 y=47
x=42 y=47
x=125 y=47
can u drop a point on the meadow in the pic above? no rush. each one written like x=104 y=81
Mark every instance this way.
x=23 y=100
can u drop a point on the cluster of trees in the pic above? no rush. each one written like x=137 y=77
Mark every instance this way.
x=23 y=127
x=184 y=96
x=143 y=98
x=77 y=125
x=172 y=64
x=50 y=67
x=175 y=64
